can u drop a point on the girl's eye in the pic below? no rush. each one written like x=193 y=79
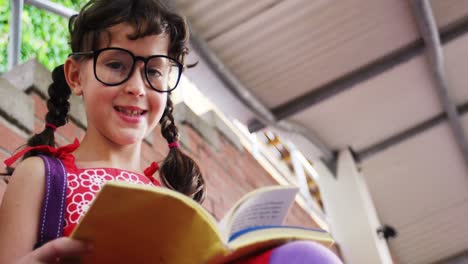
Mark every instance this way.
x=153 y=73
x=116 y=65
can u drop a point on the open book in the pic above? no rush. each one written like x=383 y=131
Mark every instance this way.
x=130 y=223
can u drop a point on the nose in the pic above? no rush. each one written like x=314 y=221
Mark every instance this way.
x=136 y=84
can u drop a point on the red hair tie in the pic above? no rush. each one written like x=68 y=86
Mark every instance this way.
x=174 y=144
x=51 y=126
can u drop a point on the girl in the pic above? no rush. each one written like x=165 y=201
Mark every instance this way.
x=127 y=56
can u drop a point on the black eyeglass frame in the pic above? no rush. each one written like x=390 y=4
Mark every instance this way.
x=95 y=54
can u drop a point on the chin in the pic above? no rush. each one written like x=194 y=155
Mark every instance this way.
x=127 y=139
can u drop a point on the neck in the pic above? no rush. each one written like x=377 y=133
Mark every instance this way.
x=98 y=151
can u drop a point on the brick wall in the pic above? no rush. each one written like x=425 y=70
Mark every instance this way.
x=230 y=170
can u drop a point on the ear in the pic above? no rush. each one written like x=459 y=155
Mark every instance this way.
x=72 y=71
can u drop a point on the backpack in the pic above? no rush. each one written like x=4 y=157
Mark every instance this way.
x=52 y=219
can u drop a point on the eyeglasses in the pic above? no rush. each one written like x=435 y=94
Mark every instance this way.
x=114 y=66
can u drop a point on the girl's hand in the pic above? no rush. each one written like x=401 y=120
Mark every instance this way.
x=60 y=250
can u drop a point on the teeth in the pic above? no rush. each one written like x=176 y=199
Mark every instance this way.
x=129 y=112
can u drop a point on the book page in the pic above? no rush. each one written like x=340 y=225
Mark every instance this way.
x=262 y=208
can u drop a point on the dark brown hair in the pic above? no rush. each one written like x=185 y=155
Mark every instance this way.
x=149 y=17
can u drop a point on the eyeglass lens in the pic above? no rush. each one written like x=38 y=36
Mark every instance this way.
x=114 y=66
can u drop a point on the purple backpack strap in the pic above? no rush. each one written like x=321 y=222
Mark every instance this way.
x=53 y=205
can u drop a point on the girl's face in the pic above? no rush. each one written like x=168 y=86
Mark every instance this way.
x=125 y=113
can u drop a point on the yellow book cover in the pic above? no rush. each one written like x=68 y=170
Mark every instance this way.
x=130 y=223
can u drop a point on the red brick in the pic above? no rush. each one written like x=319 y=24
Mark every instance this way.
x=10 y=140
x=40 y=106
x=61 y=141
x=230 y=152
x=3 y=156
x=297 y=216
x=254 y=173
x=70 y=131
x=195 y=139
x=235 y=173
x=38 y=125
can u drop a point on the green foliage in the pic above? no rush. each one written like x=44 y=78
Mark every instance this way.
x=44 y=34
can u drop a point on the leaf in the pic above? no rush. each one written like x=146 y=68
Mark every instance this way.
x=44 y=34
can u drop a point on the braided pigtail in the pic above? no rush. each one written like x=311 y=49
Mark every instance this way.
x=178 y=171
x=58 y=106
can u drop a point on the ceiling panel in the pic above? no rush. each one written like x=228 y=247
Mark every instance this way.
x=295 y=46
x=226 y=15
x=419 y=187
x=376 y=109
x=448 y=12
x=438 y=236
x=456 y=62
x=299 y=38
x=281 y=49
x=410 y=181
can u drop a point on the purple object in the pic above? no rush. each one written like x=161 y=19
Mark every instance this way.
x=303 y=252
x=53 y=206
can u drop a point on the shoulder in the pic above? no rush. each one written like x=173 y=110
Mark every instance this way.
x=30 y=163
x=20 y=208
x=26 y=185
x=31 y=169
x=28 y=178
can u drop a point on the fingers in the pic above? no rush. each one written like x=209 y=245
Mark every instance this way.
x=63 y=247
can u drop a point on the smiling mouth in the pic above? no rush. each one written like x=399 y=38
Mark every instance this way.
x=130 y=112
